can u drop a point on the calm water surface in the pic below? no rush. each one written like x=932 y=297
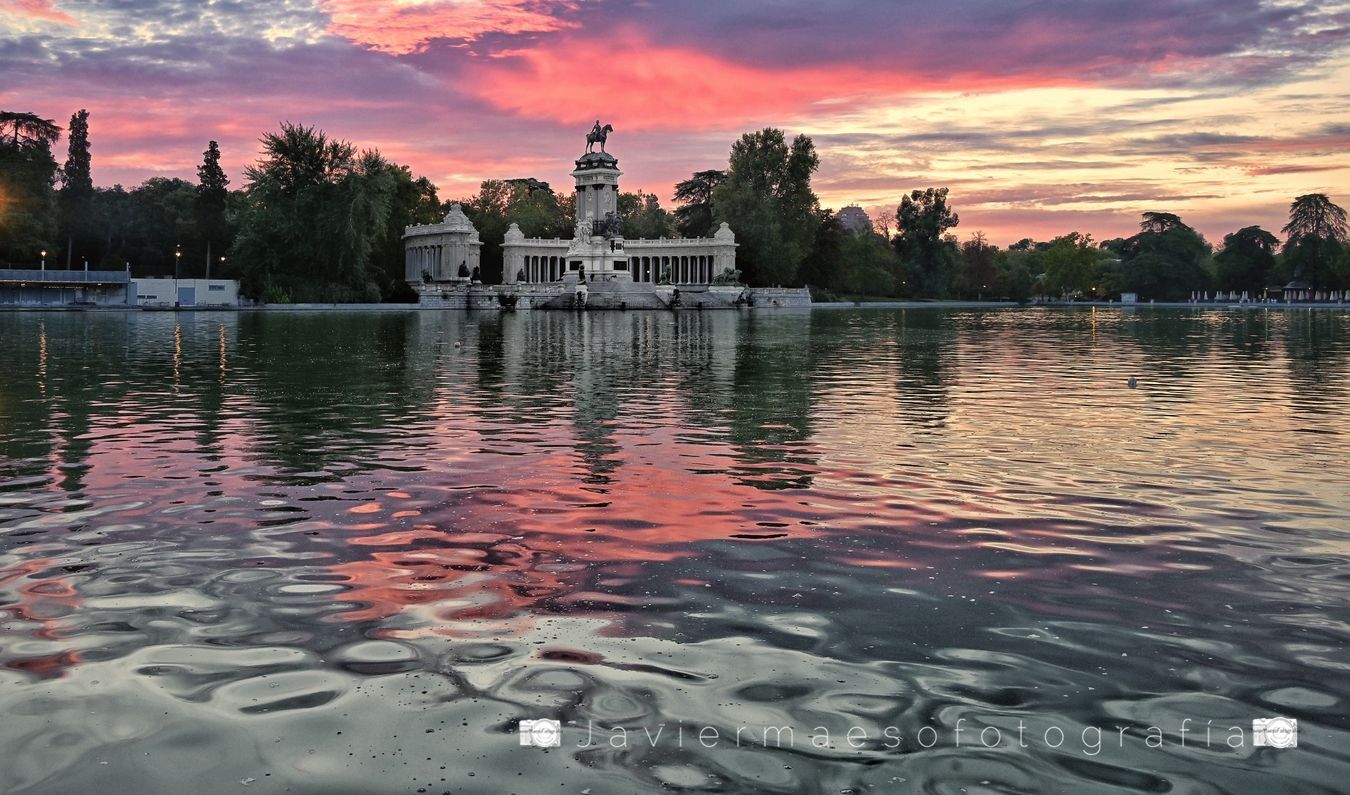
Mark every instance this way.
x=296 y=552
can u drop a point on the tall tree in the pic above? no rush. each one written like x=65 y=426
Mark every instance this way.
x=694 y=216
x=212 y=193
x=767 y=199
x=316 y=211
x=921 y=240
x=1165 y=261
x=1314 y=239
x=24 y=130
x=1247 y=259
x=977 y=274
x=77 y=187
x=27 y=186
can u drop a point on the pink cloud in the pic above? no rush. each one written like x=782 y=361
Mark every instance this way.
x=649 y=85
x=37 y=9
x=401 y=29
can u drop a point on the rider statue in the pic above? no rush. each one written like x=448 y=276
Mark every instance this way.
x=597 y=135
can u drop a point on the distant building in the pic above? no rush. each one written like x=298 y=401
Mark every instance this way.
x=854 y=219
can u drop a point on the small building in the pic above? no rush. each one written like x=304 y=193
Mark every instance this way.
x=168 y=292
x=51 y=287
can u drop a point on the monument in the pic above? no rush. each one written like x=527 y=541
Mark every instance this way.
x=597 y=268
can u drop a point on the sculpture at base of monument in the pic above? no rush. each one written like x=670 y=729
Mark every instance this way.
x=598 y=135
x=464 y=269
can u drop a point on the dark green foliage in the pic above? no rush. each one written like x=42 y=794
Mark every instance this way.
x=850 y=264
x=767 y=200
x=163 y=213
x=317 y=212
x=27 y=181
x=977 y=272
x=414 y=201
x=643 y=217
x=1246 y=261
x=76 y=199
x=1071 y=266
x=928 y=254
x=694 y=216
x=1165 y=261
x=212 y=195
x=1315 y=241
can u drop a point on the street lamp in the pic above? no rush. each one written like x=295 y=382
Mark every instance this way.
x=177 y=257
x=44 y=259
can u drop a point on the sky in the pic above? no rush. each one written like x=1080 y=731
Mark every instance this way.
x=1041 y=116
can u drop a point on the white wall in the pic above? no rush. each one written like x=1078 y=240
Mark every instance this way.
x=207 y=292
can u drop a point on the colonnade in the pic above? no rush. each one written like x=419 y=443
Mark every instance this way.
x=424 y=259
x=688 y=269
x=539 y=268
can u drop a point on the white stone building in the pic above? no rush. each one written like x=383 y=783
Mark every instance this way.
x=443 y=253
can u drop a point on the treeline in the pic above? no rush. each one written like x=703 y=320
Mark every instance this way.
x=319 y=219
x=787 y=238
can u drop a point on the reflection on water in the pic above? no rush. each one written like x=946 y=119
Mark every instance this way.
x=350 y=552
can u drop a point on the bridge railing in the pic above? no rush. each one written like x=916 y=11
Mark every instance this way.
x=52 y=276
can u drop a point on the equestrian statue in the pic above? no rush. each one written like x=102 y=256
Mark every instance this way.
x=597 y=135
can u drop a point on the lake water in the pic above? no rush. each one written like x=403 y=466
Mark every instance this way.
x=832 y=551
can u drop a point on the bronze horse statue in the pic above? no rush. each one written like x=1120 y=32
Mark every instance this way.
x=598 y=135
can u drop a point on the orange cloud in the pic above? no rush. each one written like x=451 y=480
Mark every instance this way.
x=408 y=26
x=37 y=9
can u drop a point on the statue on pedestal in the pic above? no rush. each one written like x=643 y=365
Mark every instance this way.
x=598 y=135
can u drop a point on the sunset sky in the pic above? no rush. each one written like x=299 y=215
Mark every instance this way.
x=1042 y=117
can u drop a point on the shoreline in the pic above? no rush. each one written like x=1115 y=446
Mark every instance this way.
x=831 y=305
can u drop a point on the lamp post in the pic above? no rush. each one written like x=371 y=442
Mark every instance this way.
x=44 y=260
x=177 y=257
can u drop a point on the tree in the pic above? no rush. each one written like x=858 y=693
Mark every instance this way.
x=212 y=193
x=164 y=220
x=1246 y=261
x=317 y=210
x=413 y=201
x=643 y=216
x=1071 y=265
x=1160 y=223
x=28 y=130
x=1165 y=261
x=77 y=187
x=977 y=273
x=767 y=199
x=1315 y=236
x=694 y=216
x=27 y=186
x=928 y=253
